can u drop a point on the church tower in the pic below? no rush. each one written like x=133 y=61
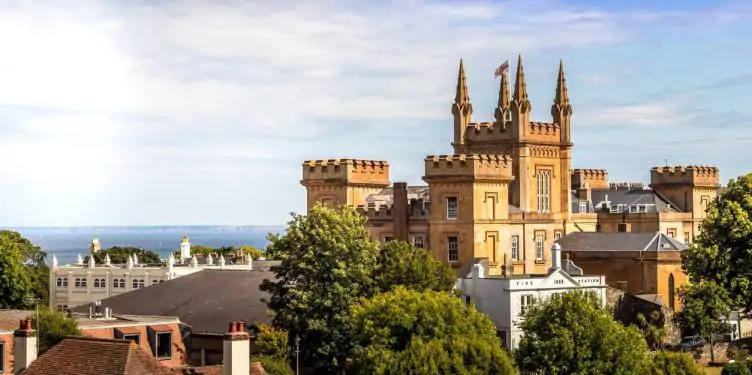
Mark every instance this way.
x=520 y=113
x=561 y=111
x=462 y=110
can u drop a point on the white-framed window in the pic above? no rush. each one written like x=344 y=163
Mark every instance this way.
x=141 y=283
x=60 y=282
x=642 y=208
x=96 y=283
x=118 y=283
x=539 y=246
x=515 y=247
x=583 y=207
x=161 y=343
x=615 y=208
x=103 y=283
x=452 y=208
x=134 y=284
x=686 y=238
x=633 y=209
x=154 y=281
x=453 y=248
x=418 y=242
x=526 y=300
x=65 y=282
x=543 y=178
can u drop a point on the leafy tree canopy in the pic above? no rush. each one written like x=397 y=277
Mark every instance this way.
x=327 y=262
x=722 y=252
x=736 y=368
x=15 y=278
x=704 y=308
x=120 y=255
x=274 y=350
x=424 y=333
x=34 y=261
x=670 y=363
x=52 y=326
x=401 y=263
x=571 y=334
x=224 y=250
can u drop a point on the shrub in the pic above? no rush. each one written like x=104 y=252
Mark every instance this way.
x=736 y=368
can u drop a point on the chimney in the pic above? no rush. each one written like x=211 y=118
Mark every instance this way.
x=625 y=227
x=400 y=215
x=24 y=346
x=236 y=348
x=95 y=246
x=555 y=256
x=584 y=193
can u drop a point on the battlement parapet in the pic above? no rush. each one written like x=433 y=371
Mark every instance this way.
x=469 y=166
x=488 y=127
x=346 y=171
x=694 y=175
x=592 y=178
x=544 y=127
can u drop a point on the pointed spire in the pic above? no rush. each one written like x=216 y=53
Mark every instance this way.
x=221 y=261
x=107 y=260
x=135 y=259
x=129 y=263
x=92 y=263
x=79 y=260
x=250 y=262
x=194 y=261
x=562 y=96
x=209 y=260
x=520 y=89
x=502 y=107
x=170 y=260
x=462 y=98
x=54 y=261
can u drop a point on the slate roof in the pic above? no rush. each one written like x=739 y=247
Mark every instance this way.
x=598 y=241
x=206 y=300
x=95 y=356
x=628 y=197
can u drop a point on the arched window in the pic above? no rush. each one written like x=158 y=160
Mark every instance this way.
x=154 y=281
x=59 y=281
x=671 y=293
x=96 y=283
x=543 y=177
x=161 y=281
x=135 y=284
x=103 y=283
x=122 y=283
x=83 y=282
x=65 y=282
x=141 y=283
x=78 y=283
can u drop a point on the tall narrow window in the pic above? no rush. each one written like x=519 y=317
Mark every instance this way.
x=418 y=242
x=65 y=282
x=557 y=235
x=515 y=248
x=539 y=246
x=526 y=300
x=453 y=249
x=671 y=233
x=671 y=296
x=491 y=241
x=490 y=206
x=583 y=207
x=452 y=209
x=543 y=178
x=686 y=238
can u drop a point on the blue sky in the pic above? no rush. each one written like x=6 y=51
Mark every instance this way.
x=201 y=112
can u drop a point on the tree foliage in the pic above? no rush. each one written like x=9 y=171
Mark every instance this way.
x=670 y=363
x=15 y=279
x=52 y=326
x=736 y=368
x=254 y=252
x=401 y=263
x=327 y=261
x=705 y=309
x=272 y=342
x=571 y=334
x=722 y=252
x=423 y=333
x=33 y=260
x=119 y=255
x=652 y=328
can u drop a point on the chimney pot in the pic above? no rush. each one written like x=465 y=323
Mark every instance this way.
x=233 y=327
x=241 y=326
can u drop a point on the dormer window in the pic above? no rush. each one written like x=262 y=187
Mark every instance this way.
x=633 y=209
x=583 y=207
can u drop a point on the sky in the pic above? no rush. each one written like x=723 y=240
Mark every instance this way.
x=201 y=112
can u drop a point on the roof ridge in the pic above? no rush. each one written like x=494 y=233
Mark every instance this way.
x=100 y=339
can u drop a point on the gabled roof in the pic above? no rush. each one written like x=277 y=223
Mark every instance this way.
x=205 y=300
x=598 y=241
x=9 y=318
x=95 y=356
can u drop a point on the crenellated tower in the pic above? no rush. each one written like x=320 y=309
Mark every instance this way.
x=462 y=109
x=338 y=182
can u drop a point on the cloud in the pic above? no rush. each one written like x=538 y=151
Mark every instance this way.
x=651 y=113
x=127 y=91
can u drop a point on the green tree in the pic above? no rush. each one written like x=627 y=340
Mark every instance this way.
x=424 y=333
x=652 y=329
x=119 y=255
x=327 y=260
x=669 y=363
x=34 y=260
x=273 y=350
x=722 y=252
x=52 y=326
x=253 y=251
x=736 y=368
x=705 y=307
x=401 y=263
x=15 y=279
x=571 y=334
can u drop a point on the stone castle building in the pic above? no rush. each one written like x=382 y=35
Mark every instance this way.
x=509 y=190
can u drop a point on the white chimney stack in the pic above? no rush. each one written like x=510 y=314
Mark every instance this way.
x=478 y=271
x=236 y=347
x=555 y=256
x=24 y=346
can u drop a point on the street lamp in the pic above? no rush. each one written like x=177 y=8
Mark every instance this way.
x=29 y=299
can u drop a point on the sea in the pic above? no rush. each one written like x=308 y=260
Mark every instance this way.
x=67 y=242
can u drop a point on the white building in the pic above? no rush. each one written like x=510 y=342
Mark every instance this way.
x=78 y=284
x=504 y=298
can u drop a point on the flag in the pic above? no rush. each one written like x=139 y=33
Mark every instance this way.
x=503 y=68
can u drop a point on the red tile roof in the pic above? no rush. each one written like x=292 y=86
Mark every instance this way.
x=94 y=356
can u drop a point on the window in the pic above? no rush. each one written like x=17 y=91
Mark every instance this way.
x=141 y=283
x=544 y=190
x=83 y=282
x=134 y=284
x=539 y=246
x=583 y=207
x=2 y=357
x=503 y=338
x=78 y=283
x=686 y=238
x=96 y=283
x=557 y=235
x=642 y=208
x=490 y=206
x=526 y=300
x=515 y=248
x=388 y=238
x=705 y=201
x=163 y=345
x=615 y=208
x=329 y=202
x=453 y=249
x=418 y=242
x=633 y=209
x=65 y=282
x=60 y=281
x=154 y=282
x=120 y=283
x=452 y=209
x=491 y=241
x=671 y=233
x=103 y=283
x=135 y=337
x=671 y=296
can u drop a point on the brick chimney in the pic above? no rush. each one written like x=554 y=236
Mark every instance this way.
x=584 y=193
x=625 y=227
x=24 y=346
x=400 y=211
x=236 y=350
